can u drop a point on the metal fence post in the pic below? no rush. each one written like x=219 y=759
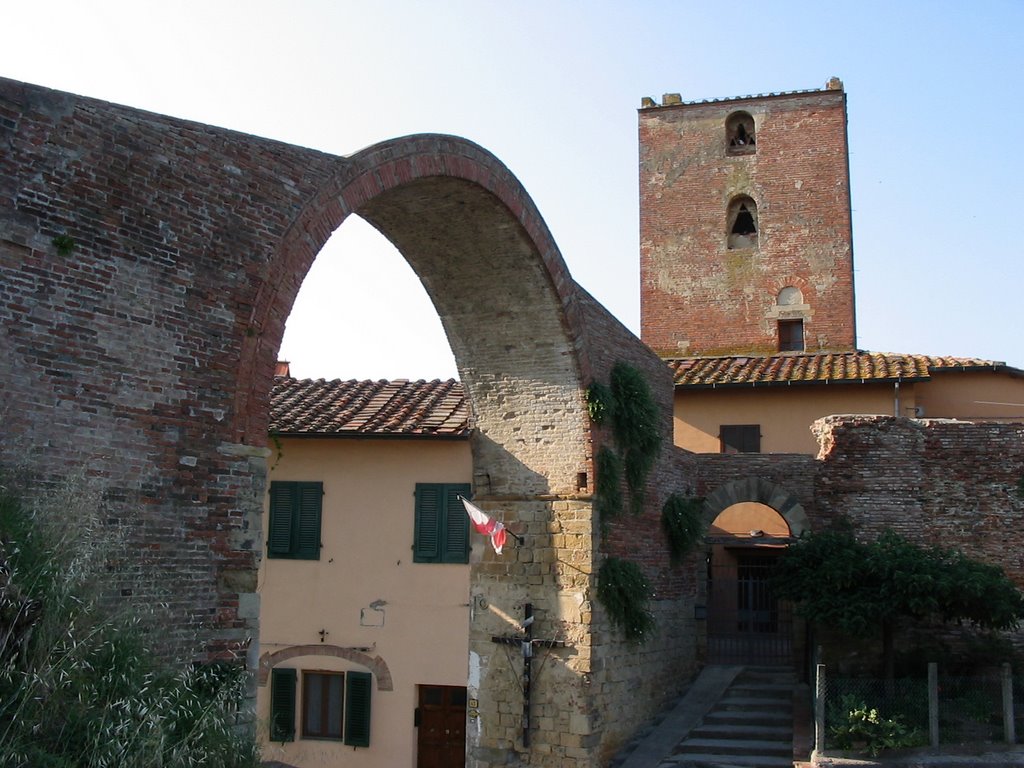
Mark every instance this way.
x=819 y=710
x=1009 y=730
x=933 y=703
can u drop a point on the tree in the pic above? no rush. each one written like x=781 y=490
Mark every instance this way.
x=837 y=580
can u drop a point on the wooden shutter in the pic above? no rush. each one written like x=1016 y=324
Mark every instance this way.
x=429 y=511
x=309 y=504
x=295 y=516
x=279 y=529
x=456 y=525
x=357 y=708
x=740 y=438
x=282 y=704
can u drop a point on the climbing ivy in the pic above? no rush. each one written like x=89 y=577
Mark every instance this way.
x=599 y=402
x=625 y=594
x=608 y=496
x=635 y=426
x=681 y=521
x=64 y=244
x=627 y=403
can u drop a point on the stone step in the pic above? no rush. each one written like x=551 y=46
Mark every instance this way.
x=751 y=717
x=762 y=690
x=748 y=703
x=698 y=760
x=745 y=731
x=731 y=747
x=787 y=677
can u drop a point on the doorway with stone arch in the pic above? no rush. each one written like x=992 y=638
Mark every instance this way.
x=751 y=522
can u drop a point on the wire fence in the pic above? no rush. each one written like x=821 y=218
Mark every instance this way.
x=871 y=714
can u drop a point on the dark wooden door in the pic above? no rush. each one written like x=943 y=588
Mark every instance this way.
x=442 y=727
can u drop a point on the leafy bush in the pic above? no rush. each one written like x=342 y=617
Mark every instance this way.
x=865 y=729
x=78 y=686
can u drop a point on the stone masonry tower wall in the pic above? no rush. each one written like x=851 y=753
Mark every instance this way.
x=745 y=233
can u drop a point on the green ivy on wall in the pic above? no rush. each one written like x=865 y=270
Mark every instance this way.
x=608 y=486
x=625 y=594
x=629 y=407
x=681 y=521
x=635 y=426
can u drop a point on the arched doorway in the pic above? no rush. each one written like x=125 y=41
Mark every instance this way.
x=751 y=523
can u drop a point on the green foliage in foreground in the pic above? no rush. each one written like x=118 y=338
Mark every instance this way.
x=864 y=729
x=863 y=587
x=81 y=689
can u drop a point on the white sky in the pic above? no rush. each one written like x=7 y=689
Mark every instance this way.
x=936 y=125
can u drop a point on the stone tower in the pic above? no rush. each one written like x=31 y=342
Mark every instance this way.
x=745 y=233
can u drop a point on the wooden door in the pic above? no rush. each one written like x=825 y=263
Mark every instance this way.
x=441 y=717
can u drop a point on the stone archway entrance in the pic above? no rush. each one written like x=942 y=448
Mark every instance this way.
x=746 y=624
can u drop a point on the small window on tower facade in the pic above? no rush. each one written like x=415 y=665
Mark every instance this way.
x=791 y=335
x=742 y=221
x=739 y=134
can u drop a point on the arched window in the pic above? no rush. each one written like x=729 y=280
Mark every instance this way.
x=742 y=223
x=739 y=134
x=789 y=296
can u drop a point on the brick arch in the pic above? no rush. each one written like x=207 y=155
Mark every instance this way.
x=762 y=491
x=487 y=260
x=377 y=665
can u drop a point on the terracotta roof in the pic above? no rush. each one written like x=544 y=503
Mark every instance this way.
x=399 y=408
x=824 y=368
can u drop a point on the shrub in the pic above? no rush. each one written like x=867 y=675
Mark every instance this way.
x=78 y=686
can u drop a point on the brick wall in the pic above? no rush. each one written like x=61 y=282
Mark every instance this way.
x=951 y=483
x=698 y=296
x=144 y=352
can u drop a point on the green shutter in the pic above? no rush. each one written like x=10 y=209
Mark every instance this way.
x=295 y=516
x=279 y=529
x=282 y=704
x=357 y=709
x=429 y=510
x=456 y=525
x=310 y=504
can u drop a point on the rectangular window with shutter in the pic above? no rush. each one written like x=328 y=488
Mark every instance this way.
x=335 y=706
x=441 y=530
x=740 y=438
x=294 y=528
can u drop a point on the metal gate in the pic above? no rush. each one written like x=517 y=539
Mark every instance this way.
x=746 y=623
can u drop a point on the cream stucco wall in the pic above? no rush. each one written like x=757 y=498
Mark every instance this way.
x=972 y=396
x=784 y=413
x=367 y=536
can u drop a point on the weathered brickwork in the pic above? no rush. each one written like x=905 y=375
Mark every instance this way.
x=147 y=267
x=698 y=295
x=951 y=483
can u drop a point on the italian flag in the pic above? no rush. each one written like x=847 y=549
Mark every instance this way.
x=485 y=525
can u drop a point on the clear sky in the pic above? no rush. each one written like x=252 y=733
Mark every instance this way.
x=936 y=128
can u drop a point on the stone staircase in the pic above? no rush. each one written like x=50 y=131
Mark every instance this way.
x=751 y=726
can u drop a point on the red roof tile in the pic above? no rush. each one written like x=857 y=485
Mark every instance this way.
x=372 y=408
x=832 y=367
